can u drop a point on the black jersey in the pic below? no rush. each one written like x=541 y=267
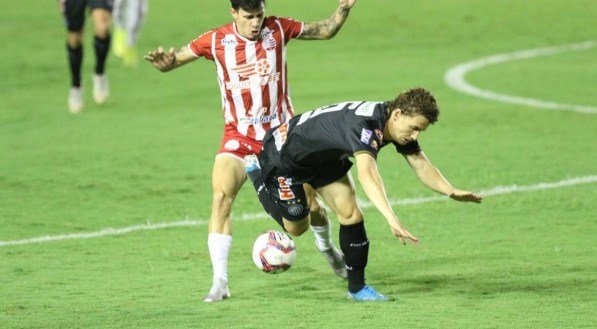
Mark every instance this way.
x=327 y=135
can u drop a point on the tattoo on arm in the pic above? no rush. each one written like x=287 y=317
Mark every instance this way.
x=327 y=28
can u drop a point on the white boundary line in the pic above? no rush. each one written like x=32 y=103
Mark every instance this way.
x=498 y=190
x=455 y=77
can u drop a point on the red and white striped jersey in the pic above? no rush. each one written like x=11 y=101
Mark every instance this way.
x=251 y=74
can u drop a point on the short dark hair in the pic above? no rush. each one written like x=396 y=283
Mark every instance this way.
x=416 y=101
x=246 y=4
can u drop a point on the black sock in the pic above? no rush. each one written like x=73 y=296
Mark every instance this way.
x=264 y=197
x=75 y=58
x=355 y=246
x=101 y=53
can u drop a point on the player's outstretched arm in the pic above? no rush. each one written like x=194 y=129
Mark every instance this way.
x=375 y=190
x=168 y=61
x=327 y=29
x=432 y=178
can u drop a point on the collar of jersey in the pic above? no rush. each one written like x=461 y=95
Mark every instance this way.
x=238 y=35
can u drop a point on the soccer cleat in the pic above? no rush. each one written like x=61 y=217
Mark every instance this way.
x=336 y=260
x=218 y=292
x=252 y=167
x=119 y=42
x=367 y=294
x=101 y=88
x=75 y=100
x=129 y=58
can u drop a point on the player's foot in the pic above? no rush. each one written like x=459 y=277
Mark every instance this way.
x=129 y=58
x=118 y=42
x=75 y=100
x=252 y=167
x=101 y=88
x=218 y=292
x=336 y=260
x=367 y=294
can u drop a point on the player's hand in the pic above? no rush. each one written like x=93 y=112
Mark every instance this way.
x=161 y=60
x=465 y=196
x=402 y=234
x=347 y=4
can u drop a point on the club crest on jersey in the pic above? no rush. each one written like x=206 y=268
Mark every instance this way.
x=284 y=190
x=366 y=135
x=269 y=42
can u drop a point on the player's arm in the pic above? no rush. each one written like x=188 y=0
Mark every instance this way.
x=327 y=28
x=431 y=177
x=373 y=185
x=168 y=61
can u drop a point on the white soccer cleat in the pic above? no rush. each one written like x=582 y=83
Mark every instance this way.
x=218 y=292
x=101 y=88
x=336 y=260
x=75 y=100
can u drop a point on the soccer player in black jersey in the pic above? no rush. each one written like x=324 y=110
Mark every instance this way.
x=314 y=148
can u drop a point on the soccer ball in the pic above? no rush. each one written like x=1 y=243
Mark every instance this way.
x=273 y=252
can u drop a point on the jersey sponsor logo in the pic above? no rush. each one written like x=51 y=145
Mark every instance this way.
x=366 y=135
x=262 y=67
x=259 y=119
x=229 y=40
x=254 y=81
x=284 y=190
x=280 y=136
x=232 y=145
x=257 y=74
x=366 y=109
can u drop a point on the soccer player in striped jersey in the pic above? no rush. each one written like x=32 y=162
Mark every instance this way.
x=250 y=60
x=314 y=148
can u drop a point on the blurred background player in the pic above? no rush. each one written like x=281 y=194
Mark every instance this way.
x=314 y=148
x=128 y=17
x=250 y=58
x=74 y=14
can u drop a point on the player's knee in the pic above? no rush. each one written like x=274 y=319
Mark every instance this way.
x=296 y=228
x=221 y=200
x=350 y=216
x=102 y=31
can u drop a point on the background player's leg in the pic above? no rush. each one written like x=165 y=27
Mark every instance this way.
x=134 y=16
x=322 y=230
x=119 y=34
x=340 y=196
x=227 y=177
x=101 y=25
x=74 y=14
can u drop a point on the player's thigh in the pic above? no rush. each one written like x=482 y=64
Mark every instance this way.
x=228 y=175
x=340 y=196
x=74 y=14
x=101 y=13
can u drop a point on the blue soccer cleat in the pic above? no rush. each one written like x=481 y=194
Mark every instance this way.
x=367 y=294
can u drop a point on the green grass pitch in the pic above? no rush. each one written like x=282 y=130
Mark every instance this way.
x=519 y=260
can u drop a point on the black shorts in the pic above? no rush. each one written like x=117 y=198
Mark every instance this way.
x=287 y=191
x=74 y=11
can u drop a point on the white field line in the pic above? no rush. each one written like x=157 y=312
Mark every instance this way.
x=498 y=190
x=455 y=77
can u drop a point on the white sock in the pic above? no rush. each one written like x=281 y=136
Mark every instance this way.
x=323 y=236
x=219 y=247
